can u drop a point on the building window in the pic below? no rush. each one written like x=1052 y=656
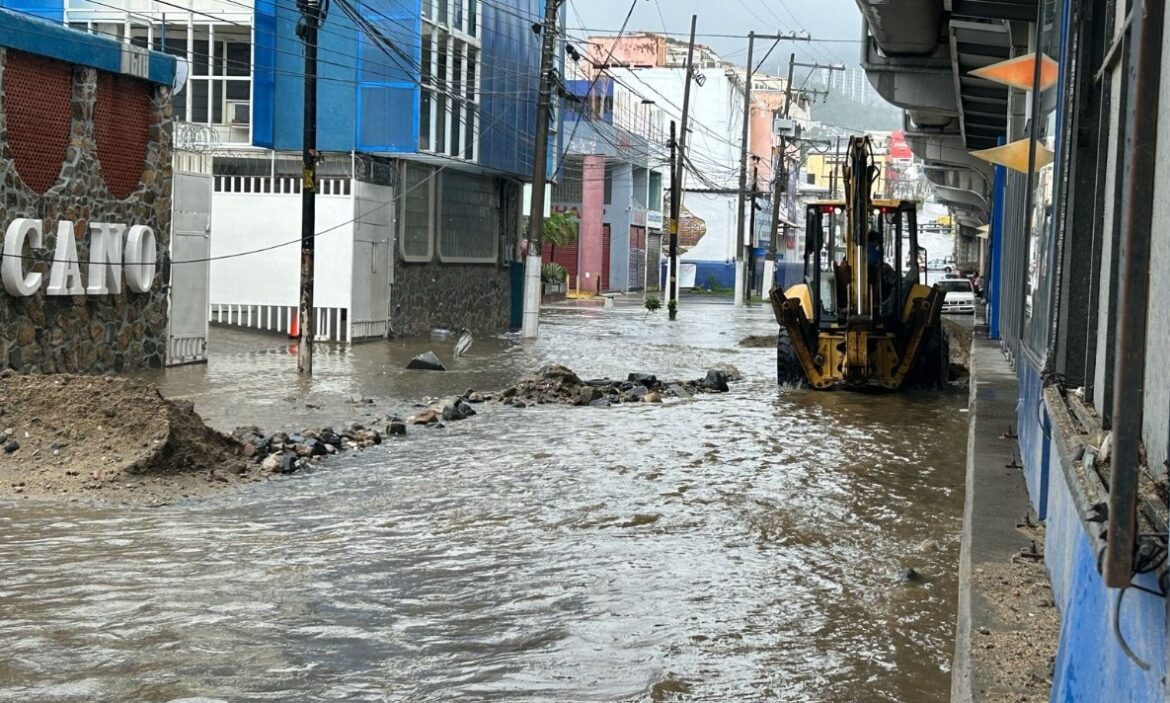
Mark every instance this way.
x=811 y=178
x=416 y=208
x=425 y=96
x=449 y=99
x=471 y=106
x=469 y=223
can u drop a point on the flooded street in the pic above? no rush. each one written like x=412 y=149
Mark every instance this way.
x=748 y=546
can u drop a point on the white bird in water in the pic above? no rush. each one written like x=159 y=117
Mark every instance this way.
x=464 y=342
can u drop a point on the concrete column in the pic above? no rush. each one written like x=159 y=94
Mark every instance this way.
x=592 y=214
x=620 y=218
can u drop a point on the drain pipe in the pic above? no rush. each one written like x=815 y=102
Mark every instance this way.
x=1137 y=200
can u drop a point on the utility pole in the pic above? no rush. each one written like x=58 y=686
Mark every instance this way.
x=743 y=159
x=310 y=10
x=539 y=157
x=779 y=184
x=836 y=165
x=742 y=243
x=780 y=175
x=751 y=235
x=676 y=176
x=672 y=228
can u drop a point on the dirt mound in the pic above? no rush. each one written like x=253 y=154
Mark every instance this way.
x=759 y=341
x=66 y=434
x=960 y=350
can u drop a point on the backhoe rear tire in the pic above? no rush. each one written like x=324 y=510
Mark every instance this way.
x=788 y=369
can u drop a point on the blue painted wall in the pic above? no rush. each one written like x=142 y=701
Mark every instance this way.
x=722 y=273
x=1090 y=663
x=994 y=275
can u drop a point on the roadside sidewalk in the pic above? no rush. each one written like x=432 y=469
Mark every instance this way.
x=1007 y=626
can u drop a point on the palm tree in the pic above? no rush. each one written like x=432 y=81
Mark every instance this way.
x=559 y=230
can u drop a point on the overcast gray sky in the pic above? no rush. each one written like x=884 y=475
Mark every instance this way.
x=823 y=19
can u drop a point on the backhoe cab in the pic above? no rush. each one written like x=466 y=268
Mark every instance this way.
x=863 y=316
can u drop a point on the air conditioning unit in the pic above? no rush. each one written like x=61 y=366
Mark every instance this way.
x=239 y=112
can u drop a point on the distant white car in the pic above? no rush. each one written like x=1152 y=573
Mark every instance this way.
x=960 y=295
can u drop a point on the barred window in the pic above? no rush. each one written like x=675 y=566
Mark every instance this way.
x=449 y=80
x=469 y=223
x=416 y=222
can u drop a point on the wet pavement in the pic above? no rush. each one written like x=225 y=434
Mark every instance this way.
x=748 y=546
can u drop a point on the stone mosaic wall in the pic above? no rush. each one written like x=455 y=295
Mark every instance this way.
x=88 y=334
x=451 y=296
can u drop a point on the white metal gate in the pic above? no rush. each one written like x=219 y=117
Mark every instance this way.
x=189 y=295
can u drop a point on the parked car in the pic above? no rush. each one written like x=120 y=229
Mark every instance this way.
x=960 y=295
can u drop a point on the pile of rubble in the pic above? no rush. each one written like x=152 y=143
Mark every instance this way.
x=557 y=384
x=63 y=434
x=285 y=453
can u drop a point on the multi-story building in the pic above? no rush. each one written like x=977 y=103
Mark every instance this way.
x=611 y=183
x=1072 y=356
x=425 y=127
x=653 y=66
x=852 y=83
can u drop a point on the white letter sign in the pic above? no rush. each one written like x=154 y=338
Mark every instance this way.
x=105 y=254
x=139 y=258
x=12 y=268
x=65 y=276
x=113 y=253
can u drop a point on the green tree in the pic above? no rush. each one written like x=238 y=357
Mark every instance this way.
x=559 y=230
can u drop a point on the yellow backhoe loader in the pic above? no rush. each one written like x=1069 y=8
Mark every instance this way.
x=863 y=317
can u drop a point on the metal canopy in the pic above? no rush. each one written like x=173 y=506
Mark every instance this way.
x=949 y=112
x=1014 y=10
x=982 y=104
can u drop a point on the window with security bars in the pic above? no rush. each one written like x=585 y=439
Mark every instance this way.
x=469 y=220
x=450 y=79
x=416 y=206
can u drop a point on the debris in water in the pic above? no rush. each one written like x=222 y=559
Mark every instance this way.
x=426 y=361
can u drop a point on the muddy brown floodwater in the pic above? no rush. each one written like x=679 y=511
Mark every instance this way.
x=747 y=546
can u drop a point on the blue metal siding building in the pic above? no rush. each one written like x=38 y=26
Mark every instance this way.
x=52 y=10
x=369 y=99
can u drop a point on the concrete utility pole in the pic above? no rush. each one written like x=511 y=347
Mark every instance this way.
x=310 y=10
x=676 y=177
x=742 y=244
x=672 y=228
x=530 y=327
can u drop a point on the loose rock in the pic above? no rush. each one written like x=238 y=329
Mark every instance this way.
x=716 y=381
